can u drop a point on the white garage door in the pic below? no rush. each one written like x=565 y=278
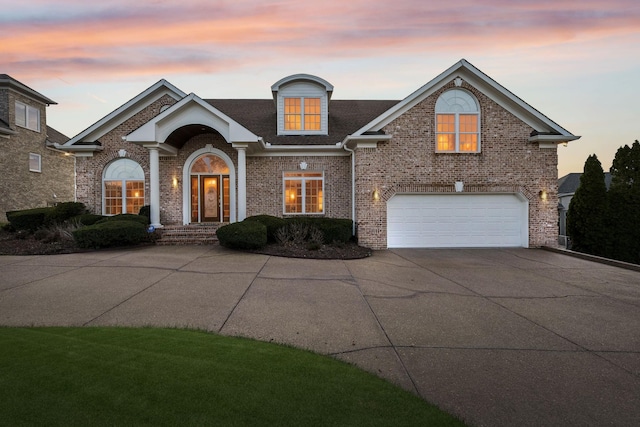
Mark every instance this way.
x=457 y=220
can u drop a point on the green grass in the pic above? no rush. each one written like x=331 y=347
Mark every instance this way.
x=120 y=376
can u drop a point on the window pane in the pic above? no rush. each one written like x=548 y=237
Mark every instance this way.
x=292 y=114
x=469 y=142
x=33 y=118
x=312 y=113
x=446 y=142
x=21 y=114
x=468 y=123
x=135 y=196
x=313 y=196
x=446 y=123
x=34 y=162
x=112 y=197
x=293 y=196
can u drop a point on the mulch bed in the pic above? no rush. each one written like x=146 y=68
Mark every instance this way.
x=25 y=244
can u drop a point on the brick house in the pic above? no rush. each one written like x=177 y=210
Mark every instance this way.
x=34 y=173
x=461 y=162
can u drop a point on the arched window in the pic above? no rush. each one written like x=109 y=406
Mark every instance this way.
x=123 y=187
x=457 y=123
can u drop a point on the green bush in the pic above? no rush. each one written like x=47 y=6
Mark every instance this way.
x=87 y=219
x=243 y=235
x=338 y=230
x=65 y=211
x=146 y=212
x=273 y=223
x=111 y=233
x=29 y=219
x=126 y=217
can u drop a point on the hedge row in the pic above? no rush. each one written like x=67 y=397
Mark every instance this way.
x=32 y=219
x=111 y=233
x=255 y=231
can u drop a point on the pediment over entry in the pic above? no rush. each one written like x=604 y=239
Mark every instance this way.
x=189 y=113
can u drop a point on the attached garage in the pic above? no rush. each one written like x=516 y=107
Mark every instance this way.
x=457 y=221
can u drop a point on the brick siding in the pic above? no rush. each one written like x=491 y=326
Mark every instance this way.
x=507 y=163
x=19 y=187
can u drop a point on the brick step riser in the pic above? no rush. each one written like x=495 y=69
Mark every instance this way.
x=199 y=235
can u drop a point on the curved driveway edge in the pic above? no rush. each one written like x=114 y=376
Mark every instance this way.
x=495 y=336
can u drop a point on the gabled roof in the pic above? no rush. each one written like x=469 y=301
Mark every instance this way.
x=8 y=81
x=55 y=137
x=124 y=112
x=259 y=116
x=546 y=130
x=569 y=183
x=189 y=111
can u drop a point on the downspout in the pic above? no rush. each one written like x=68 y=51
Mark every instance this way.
x=353 y=187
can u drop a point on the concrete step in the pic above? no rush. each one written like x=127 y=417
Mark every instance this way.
x=196 y=234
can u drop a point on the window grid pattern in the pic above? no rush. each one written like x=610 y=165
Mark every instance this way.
x=457 y=123
x=302 y=114
x=303 y=193
x=35 y=162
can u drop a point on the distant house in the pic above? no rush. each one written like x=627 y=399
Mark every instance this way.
x=460 y=162
x=34 y=173
x=567 y=186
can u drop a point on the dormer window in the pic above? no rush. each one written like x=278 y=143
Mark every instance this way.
x=302 y=102
x=302 y=114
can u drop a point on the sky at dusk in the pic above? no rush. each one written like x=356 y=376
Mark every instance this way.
x=578 y=61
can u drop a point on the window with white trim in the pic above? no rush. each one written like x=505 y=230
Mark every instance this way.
x=457 y=122
x=27 y=116
x=302 y=114
x=35 y=162
x=123 y=187
x=303 y=192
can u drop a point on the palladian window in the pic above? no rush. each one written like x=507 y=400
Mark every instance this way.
x=123 y=187
x=457 y=123
x=303 y=193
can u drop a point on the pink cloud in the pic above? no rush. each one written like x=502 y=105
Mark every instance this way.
x=93 y=41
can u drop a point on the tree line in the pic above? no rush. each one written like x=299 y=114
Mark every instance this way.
x=607 y=222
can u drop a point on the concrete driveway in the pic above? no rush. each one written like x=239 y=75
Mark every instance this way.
x=497 y=337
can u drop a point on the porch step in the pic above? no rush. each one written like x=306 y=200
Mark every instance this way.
x=195 y=234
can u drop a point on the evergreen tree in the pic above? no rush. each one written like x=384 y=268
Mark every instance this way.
x=624 y=202
x=587 y=215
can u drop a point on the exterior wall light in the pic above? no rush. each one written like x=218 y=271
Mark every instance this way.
x=174 y=183
x=543 y=195
x=376 y=195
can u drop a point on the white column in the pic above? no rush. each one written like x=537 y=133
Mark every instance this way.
x=242 y=183
x=154 y=186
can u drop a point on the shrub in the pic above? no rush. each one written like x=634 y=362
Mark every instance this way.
x=126 y=217
x=333 y=230
x=273 y=223
x=146 y=212
x=243 y=235
x=29 y=219
x=111 y=233
x=87 y=219
x=59 y=232
x=65 y=211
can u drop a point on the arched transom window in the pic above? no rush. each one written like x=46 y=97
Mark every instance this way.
x=123 y=187
x=457 y=122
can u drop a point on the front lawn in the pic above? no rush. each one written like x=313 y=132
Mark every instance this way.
x=120 y=376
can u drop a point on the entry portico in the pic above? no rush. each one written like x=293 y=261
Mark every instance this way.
x=165 y=134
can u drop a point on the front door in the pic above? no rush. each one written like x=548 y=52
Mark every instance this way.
x=209 y=198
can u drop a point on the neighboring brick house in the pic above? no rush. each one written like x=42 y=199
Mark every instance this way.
x=34 y=173
x=461 y=162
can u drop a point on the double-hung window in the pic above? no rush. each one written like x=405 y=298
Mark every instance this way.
x=27 y=116
x=303 y=193
x=302 y=114
x=457 y=123
x=35 y=162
